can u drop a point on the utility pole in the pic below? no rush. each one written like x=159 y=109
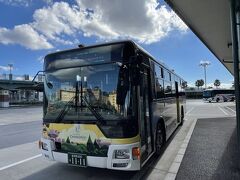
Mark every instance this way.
x=204 y=64
x=10 y=68
x=10 y=71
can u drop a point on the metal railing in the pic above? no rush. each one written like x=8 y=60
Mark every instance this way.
x=24 y=77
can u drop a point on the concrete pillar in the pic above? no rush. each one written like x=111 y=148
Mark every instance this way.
x=235 y=52
x=4 y=98
x=19 y=95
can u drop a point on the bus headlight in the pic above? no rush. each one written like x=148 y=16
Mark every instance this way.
x=121 y=154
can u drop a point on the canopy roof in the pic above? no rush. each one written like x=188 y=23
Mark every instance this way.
x=210 y=21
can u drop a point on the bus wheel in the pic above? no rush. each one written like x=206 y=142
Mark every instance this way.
x=182 y=116
x=217 y=100
x=159 y=138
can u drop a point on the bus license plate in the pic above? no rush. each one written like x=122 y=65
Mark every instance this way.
x=77 y=159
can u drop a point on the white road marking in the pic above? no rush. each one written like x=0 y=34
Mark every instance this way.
x=2 y=124
x=223 y=111
x=189 y=111
x=20 y=162
x=230 y=109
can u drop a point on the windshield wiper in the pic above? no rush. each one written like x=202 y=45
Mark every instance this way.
x=67 y=106
x=93 y=111
x=64 y=110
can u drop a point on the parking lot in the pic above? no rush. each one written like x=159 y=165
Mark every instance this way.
x=20 y=128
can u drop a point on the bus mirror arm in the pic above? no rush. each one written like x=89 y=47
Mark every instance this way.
x=122 y=86
x=122 y=89
x=33 y=80
x=136 y=60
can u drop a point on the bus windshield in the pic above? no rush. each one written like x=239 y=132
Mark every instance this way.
x=86 y=93
x=207 y=94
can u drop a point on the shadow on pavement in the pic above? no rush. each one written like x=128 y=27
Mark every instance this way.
x=229 y=165
x=213 y=152
x=63 y=171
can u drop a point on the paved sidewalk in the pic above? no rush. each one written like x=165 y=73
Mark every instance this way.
x=213 y=152
x=166 y=166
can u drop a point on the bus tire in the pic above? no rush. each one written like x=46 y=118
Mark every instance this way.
x=160 y=138
x=182 y=116
x=217 y=100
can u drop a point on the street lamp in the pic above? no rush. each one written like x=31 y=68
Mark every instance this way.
x=10 y=68
x=204 y=64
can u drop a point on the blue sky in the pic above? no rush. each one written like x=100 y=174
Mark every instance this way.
x=31 y=29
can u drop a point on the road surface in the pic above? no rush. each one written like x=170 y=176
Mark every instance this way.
x=20 y=157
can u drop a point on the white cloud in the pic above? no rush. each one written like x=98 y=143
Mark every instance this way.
x=40 y=59
x=19 y=78
x=137 y=19
x=59 y=23
x=25 y=3
x=48 y=1
x=54 y=20
x=24 y=35
x=4 y=68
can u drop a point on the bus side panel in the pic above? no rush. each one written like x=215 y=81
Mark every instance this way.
x=157 y=112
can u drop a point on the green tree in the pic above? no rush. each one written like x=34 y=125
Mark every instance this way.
x=197 y=83
x=201 y=81
x=68 y=140
x=184 y=84
x=90 y=146
x=96 y=145
x=217 y=83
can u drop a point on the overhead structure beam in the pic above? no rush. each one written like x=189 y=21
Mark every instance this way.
x=235 y=18
x=217 y=25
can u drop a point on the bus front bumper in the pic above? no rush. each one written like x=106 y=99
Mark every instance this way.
x=108 y=162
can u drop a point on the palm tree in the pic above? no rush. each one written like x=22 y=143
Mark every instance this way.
x=201 y=81
x=217 y=83
x=197 y=83
x=184 y=84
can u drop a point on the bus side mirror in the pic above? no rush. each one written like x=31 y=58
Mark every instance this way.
x=136 y=60
x=49 y=85
x=123 y=85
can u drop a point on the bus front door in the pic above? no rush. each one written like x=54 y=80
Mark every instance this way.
x=145 y=116
x=177 y=102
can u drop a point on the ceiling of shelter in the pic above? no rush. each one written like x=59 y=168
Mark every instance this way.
x=210 y=21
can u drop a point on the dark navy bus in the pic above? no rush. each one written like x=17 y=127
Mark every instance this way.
x=217 y=95
x=109 y=105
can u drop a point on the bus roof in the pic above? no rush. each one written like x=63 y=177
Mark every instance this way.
x=119 y=42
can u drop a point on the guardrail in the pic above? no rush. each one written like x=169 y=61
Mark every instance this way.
x=25 y=77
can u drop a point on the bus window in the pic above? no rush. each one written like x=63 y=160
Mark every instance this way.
x=161 y=72
x=167 y=75
x=157 y=71
x=174 y=89
x=159 y=93
x=167 y=89
x=159 y=89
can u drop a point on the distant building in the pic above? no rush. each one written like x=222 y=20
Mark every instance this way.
x=112 y=98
